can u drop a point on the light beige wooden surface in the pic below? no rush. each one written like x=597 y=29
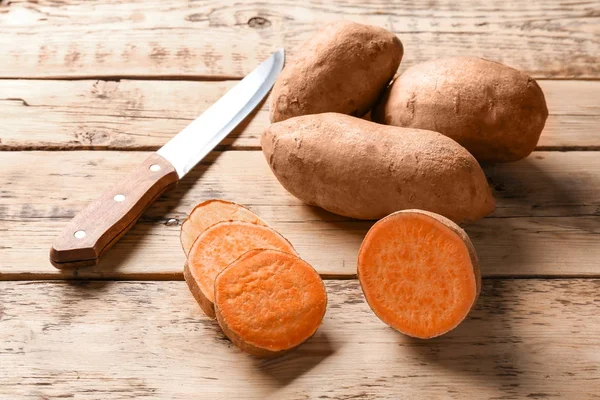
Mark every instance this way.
x=510 y=247
x=216 y=38
x=41 y=184
x=144 y=115
x=543 y=202
x=83 y=75
x=124 y=340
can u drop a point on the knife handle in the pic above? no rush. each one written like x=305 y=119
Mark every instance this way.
x=98 y=226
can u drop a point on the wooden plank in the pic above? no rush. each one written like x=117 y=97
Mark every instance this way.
x=218 y=39
x=546 y=223
x=99 y=115
x=507 y=247
x=545 y=184
x=143 y=115
x=124 y=340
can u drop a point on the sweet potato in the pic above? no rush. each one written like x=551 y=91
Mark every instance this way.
x=365 y=170
x=220 y=245
x=419 y=273
x=268 y=302
x=494 y=111
x=209 y=213
x=343 y=68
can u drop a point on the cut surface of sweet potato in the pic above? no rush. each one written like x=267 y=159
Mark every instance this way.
x=268 y=302
x=220 y=245
x=209 y=213
x=419 y=273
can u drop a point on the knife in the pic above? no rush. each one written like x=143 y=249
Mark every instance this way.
x=97 y=227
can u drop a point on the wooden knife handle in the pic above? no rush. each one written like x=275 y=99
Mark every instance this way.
x=97 y=227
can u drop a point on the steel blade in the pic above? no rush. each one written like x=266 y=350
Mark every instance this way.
x=196 y=140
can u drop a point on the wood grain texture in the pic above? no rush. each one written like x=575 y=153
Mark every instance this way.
x=527 y=338
x=557 y=184
x=144 y=115
x=101 y=115
x=547 y=221
x=123 y=340
x=507 y=247
x=217 y=39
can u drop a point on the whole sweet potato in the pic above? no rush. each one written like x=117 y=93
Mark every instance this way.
x=494 y=111
x=365 y=170
x=343 y=68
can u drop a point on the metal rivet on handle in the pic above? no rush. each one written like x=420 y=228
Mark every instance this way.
x=79 y=234
x=119 y=198
x=155 y=167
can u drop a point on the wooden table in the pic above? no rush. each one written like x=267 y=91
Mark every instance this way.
x=88 y=88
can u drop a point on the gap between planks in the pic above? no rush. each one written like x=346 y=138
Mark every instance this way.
x=202 y=78
x=171 y=77
x=223 y=148
x=34 y=278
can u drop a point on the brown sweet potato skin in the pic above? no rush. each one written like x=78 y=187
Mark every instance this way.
x=365 y=170
x=205 y=304
x=343 y=68
x=494 y=111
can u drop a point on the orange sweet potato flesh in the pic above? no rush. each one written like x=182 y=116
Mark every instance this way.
x=269 y=302
x=419 y=273
x=209 y=213
x=220 y=245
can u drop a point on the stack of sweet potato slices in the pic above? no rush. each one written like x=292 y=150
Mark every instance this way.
x=245 y=274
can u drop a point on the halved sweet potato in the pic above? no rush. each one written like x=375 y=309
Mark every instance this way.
x=268 y=302
x=220 y=245
x=419 y=273
x=209 y=213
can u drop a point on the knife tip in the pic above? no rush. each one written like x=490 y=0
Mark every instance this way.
x=281 y=53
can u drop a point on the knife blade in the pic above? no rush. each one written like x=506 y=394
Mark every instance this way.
x=100 y=225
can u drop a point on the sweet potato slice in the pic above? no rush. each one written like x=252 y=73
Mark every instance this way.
x=268 y=302
x=209 y=213
x=220 y=245
x=419 y=273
